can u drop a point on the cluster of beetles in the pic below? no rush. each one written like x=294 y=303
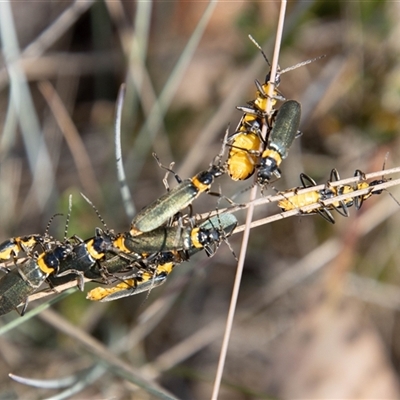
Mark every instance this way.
x=160 y=237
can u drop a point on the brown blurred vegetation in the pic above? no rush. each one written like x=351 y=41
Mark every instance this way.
x=317 y=316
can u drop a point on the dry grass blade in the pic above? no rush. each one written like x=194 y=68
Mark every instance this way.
x=50 y=35
x=124 y=189
x=104 y=355
x=21 y=99
x=46 y=384
x=146 y=136
x=249 y=217
x=30 y=314
x=82 y=160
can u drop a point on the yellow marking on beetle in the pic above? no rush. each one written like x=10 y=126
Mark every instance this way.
x=359 y=186
x=200 y=185
x=299 y=201
x=242 y=156
x=167 y=268
x=272 y=154
x=94 y=253
x=100 y=293
x=6 y=254
x=42 y=265
x=27 y=243
x=249 y=124
x=261 y=101
x=16 y=245
x=194 y=237
x=346 y=189
x=119 y=243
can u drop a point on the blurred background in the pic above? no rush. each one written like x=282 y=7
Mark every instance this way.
x=318 y=309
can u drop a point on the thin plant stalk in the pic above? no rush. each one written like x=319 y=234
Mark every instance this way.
x=249 y=217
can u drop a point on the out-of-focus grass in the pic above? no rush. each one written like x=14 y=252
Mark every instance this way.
x=350 y=120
